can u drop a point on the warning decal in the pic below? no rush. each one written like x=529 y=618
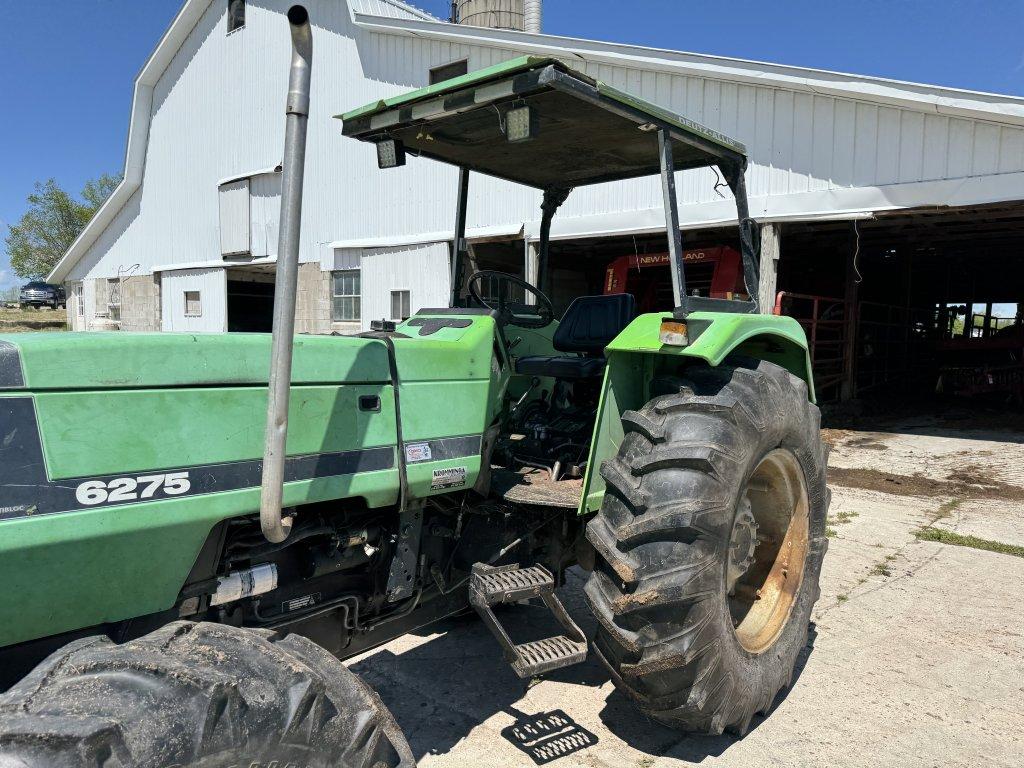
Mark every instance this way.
x=455 y=477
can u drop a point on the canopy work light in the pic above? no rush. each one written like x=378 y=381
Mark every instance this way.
x=390 y=153
x=520 y=124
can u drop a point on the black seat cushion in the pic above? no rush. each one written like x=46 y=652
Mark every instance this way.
x=589 y=325
x=561 y=366
x=591 y=322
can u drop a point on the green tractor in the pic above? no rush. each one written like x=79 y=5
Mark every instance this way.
x=173 y=599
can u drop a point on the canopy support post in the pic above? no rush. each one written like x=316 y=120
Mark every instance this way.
x=675 y=234
x=750 y=246
x=459 y=243
x=553 y=199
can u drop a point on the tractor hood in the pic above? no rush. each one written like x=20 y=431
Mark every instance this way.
x=91 y=361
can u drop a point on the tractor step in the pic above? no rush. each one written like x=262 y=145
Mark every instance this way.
x=493 y=585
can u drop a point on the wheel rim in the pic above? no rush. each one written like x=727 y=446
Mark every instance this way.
x=767 y=551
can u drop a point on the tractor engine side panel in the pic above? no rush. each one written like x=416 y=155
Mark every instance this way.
x=102 y=515
x=120 y=453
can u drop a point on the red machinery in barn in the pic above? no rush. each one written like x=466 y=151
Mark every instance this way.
x=713 y=272
x=985 y=358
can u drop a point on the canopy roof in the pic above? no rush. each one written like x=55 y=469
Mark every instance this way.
x=588 y=132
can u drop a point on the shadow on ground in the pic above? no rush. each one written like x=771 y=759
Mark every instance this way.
x=453 y=680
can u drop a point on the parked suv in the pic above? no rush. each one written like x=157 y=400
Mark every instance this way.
x=40 y=294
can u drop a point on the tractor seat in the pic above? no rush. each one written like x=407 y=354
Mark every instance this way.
x=589 y=325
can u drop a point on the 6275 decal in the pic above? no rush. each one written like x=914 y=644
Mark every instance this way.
x=121 y=489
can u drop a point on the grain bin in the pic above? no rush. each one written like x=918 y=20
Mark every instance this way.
x=501 y=14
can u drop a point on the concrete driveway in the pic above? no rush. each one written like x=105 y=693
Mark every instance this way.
x=915 y=656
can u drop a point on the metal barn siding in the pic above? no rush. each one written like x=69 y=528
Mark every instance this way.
x=265 y=213
x=217 y=112
x=234 y=219
x=423 y=270
x=807 y=151
x=210 y=284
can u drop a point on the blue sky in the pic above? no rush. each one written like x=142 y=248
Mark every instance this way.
x=66 y=66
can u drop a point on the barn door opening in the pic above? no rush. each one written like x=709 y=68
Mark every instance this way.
x=250 y=299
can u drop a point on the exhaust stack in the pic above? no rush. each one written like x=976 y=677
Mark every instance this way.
x=275 y=445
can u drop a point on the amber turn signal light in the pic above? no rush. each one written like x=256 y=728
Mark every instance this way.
x=674 y=334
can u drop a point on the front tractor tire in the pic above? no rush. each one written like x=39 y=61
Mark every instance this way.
x=201 y=696
x=709 y=545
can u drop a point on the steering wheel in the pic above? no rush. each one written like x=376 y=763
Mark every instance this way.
x=515 y=313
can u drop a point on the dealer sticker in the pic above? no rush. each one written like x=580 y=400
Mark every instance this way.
x=418 y=452
x=455 y=477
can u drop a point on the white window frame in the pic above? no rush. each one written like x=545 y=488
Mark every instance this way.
x=357 y=297
x=79 y=293
x=114 y=298
x=198 y=299
x=398 y=292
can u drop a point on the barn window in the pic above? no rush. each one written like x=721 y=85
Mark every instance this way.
x=79 y=294
x=400 y=306
x=193 y=304
x=346 y=296
x=236 y=15
x=448 y=71
x=114 y=298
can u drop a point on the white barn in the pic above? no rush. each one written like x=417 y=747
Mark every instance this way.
x=188 y=240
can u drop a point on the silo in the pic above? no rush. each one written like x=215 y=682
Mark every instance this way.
x=531 y=16
x=496 y=14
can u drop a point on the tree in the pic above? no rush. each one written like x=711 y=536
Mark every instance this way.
x=52 y=222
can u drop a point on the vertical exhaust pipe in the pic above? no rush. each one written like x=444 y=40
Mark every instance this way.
x=275 y=445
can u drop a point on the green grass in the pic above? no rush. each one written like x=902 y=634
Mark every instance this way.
x=959 y=540
x=27 y=320
x=881 y=569
x=947 y=509
x=842 y=518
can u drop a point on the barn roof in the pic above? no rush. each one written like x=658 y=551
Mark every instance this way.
x=401 y=18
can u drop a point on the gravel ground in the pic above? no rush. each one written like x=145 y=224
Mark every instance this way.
x=916 y=654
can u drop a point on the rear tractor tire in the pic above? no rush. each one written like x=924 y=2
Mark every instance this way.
x=709 y=545
x=197 y=695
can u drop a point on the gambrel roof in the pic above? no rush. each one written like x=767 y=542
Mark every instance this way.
x=996 y=147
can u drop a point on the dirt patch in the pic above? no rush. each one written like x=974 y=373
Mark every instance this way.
x=833 y=437
x=932 y=414
x=977 y=476
x=867 y=443
x=958 y=485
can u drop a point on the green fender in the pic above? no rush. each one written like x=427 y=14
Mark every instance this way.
x=637 y=356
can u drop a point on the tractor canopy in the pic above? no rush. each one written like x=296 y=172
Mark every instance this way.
x=537 y=122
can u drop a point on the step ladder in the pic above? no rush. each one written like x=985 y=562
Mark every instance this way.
x=493 y=585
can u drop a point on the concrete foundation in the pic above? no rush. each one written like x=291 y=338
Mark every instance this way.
x=313 y=300
x=140 y=303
